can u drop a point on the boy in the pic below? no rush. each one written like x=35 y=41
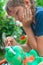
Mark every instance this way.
x=32 y=20
x=9 y=41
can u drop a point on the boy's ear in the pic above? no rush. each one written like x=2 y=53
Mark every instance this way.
x=27 y=1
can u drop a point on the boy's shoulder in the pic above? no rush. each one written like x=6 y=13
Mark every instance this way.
x=39 y=9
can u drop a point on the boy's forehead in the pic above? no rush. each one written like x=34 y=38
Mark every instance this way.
x=17 y=7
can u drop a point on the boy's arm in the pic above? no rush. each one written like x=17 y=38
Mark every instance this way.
x=31 y=37
x=10 y=41
x=25 y=47
x=3 y=61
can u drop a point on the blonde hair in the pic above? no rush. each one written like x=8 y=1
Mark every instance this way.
x=14 y=3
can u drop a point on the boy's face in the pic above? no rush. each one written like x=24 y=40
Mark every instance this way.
x=22 y=13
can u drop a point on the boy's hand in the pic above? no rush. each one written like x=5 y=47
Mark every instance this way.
x=9 y=41
x=27 y=15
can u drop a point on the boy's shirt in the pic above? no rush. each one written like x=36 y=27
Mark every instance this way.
x=38 y=26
